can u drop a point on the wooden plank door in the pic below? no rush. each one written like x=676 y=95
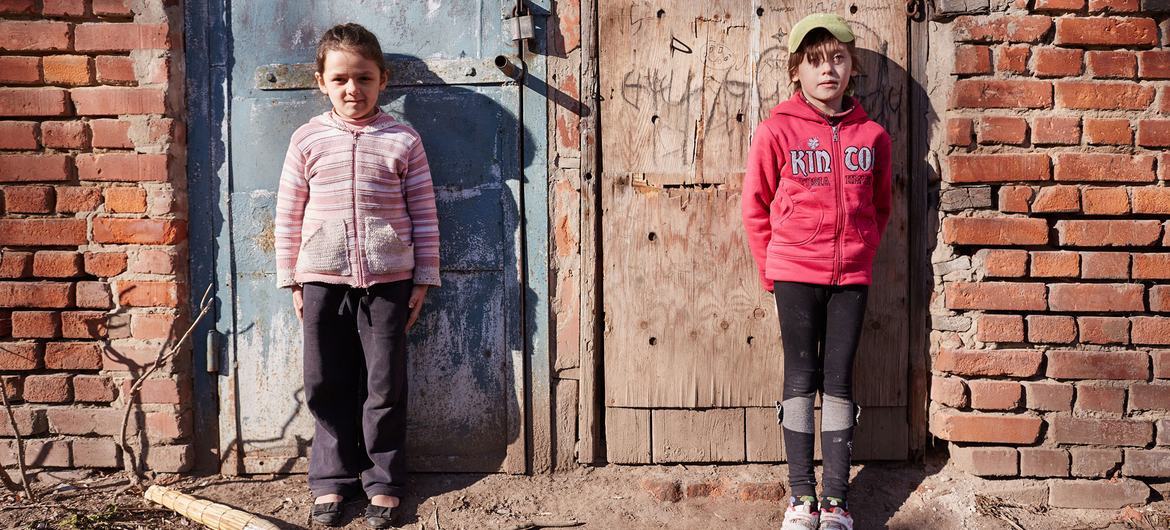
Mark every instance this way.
x=691 y=342
x=466 y=367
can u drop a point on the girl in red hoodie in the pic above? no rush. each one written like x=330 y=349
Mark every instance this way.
x=816 y=199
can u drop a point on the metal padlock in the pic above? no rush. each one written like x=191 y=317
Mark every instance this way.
x=520 y=27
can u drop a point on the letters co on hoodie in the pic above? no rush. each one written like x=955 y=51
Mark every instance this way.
x=816 y=196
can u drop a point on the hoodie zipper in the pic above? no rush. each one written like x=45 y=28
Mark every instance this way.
x=357 y=232
x=838 y=188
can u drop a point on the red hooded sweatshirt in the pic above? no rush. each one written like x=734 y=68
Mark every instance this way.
x=816 y=196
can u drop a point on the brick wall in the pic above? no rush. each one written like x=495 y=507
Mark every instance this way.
x=1051 y=314
x=92 y=230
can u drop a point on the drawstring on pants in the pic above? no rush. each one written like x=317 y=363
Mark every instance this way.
x=363 y=301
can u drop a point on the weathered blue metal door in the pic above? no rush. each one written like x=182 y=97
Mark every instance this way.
x=466 y=398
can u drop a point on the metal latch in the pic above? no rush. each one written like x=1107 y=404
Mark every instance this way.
x=214 y=346
x=520 y=27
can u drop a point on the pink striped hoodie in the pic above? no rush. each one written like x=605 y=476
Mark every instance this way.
x=356 y=206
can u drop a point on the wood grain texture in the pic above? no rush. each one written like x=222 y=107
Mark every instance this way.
x=590 y=413
x=627 y=436
x=709 y=435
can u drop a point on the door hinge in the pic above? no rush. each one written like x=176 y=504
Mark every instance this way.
x=214 y=346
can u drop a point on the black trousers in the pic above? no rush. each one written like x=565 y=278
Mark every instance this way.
x=819 y=326
x=355 y=386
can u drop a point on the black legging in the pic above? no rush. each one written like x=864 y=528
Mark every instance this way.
x=819 y=326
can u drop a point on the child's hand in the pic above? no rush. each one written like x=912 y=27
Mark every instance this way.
x=416 y=302
x=299 y=302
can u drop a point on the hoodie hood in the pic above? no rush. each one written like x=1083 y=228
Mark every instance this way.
x=383 y=121
x=797 y=107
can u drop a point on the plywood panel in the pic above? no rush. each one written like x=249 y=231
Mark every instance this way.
x=710 y=435
x=627 y=436
x=686 y=324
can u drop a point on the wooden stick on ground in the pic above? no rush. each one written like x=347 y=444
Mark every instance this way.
x=210 y=514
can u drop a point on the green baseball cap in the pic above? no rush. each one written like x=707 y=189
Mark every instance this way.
x=834 y=23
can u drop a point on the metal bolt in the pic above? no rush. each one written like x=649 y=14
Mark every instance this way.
x=271 y=77
x=469 y=72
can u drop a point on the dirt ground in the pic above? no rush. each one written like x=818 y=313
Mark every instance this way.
x=900 y=496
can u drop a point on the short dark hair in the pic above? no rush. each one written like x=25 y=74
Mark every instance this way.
x=353 y=38
x=816 y=46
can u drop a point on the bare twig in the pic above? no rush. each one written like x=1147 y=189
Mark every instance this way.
x=28 y=494
x=164 y=355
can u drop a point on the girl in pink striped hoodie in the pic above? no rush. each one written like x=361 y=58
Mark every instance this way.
x=357 y=242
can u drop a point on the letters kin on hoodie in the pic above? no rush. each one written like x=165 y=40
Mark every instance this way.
x=816 y=195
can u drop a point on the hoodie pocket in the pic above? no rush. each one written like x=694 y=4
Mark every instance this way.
x=867 y=231
x=386 y=252
x=325 y=250
x=799 y=216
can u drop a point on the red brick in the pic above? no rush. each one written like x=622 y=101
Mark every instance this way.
x=1106 y=31
x=1154 y=64
x=35 y=294
x=1003 y=94
x=123 y=199
x=11 y=385
x=26 y=35
x=150 y=261
x=1105 y=265
x=1103 y=330
x=1003 y=296
x=1056 y=130
x=1097 y=233
x=96 y=453
x=1058 y=62
x=1114 y=6
x=1015 y=199
x=1120 y=365
x=64 y=134
x=105 y=264
x=1147 y=463
x=56 y=264
x=122 y=167
x=1105 y=201
x=1000 y=328
x=115 y=69
x=111 y=134
x=75 y=199
x=1095 y=462
x=83 y=325
x=40 y=101
x=1151 y=266
x=972 y=60
x=1056 y=264
x=130 y=355
x=93 y=389
x=1108 y=131
x=33 y=168
x=1153 y=133
x=1003 y=130
x=93 y=295
x=1113 y=297
x=35 y=325
x=1049 y=396
x=957 y=427
x=149 y=326
x=108 y=100
x=1104 y=167
x=704 y=489
x=1116 y=95
x=1003 y=263
x=1112 y=64
x=1100 y=431
x=1053 y=329
x=1143 y=396
x=1012 y=58
x=28 y=199
x=120 y=8
x=995 y=395
x=1043 y=462
x=29 y=422
x=160 y=391
x=68 y=70
x=73 y=356
x=1098 y=398
x=139 y=231
x=1151 y=200
x=170 y=458
x=72 y=8
x=168 y=426
x=1059 y=5
x=1002 y=28
x=1160 y=298
x=148 y=294
x=45 y=453
x=948 y=391
x=16 y=70
x=17 y=134
x=995 y=231
x=998 y=168
x=19 y=356
x=1150 y=330
x=18 y=7
x=86 y=422
x=47 y=389
x=989 y=363
x=15 y=264
x=985 y=461
x=102 y=37
x=662 y=490
x=1059 y=198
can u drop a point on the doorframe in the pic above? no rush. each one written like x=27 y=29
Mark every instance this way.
x=208 y=56
x=922 y=234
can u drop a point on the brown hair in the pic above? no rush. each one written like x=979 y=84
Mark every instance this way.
x=352 y=38
x=817 y=46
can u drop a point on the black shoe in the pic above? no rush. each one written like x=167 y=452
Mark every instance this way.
x=381 y=516
x=327 y=513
